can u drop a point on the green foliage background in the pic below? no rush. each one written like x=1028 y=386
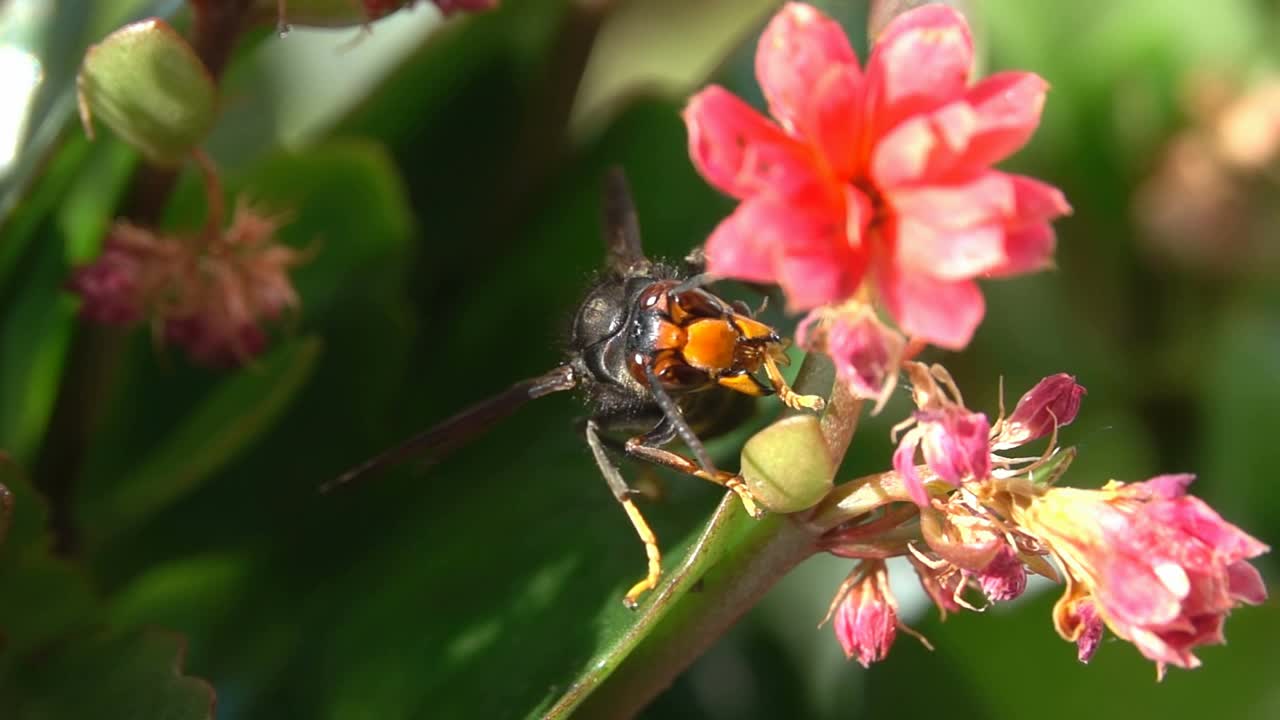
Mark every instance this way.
x=454 y=233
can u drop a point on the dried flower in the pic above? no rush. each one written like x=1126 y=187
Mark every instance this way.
x=128 y=277
x=1160 y=567
x=881 y=177
x=208 y=294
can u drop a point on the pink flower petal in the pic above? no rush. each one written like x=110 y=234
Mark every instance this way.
x=1245 y=583
x=1027 y=250
x=740 y=151
x=906 y=154
x=921 y=61
x=803 y=249
x=858 y=216
x=980 y=200
x=941 y=312
x=834 y=119
x=796 y=51
x=736 y=250
x=1035 y=201
x=904 y=461
x=1007 y=107
x=949 y=254
x=1088 y=627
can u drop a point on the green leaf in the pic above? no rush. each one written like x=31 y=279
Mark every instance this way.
x=41 y=596
x=115 y=675
x=230 y=418
x=147 y=84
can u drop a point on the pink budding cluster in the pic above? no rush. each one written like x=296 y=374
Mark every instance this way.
x=870 y=193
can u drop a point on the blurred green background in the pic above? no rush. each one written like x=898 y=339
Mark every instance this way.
x=449 y=174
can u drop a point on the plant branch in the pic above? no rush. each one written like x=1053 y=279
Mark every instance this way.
x=96 y=352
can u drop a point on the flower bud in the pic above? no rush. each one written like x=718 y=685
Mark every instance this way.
x=787 y=466
x=865 y=614
x=1053 y=402
x=147 y=84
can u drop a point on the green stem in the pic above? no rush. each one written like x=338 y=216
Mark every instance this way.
x=858 y=497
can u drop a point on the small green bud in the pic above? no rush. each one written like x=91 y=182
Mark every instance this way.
x=147 y=84
x=787 y=466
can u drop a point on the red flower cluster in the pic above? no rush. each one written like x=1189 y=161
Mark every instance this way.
x=877 y=178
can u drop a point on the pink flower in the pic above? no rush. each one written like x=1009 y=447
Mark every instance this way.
x=864 y=614
x=1161 y=568
x=955 y=446
x=879 y=177
x=1053 y=402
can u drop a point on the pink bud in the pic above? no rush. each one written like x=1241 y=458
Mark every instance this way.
x=865 y=619
x=1054 y=400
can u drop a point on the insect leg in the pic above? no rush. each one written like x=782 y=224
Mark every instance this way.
x=623 y=494
x=645 y=447
x=789 y=397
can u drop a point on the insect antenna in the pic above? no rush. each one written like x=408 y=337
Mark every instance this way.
x=449 y=434
x=623 y=248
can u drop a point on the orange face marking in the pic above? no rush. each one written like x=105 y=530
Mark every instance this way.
x=745 y=383
x=752 y=329
x=670 y=336
x=710 y=344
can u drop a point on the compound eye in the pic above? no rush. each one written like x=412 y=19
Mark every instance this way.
x=598 y=319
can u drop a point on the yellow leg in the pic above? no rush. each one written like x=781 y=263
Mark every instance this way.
x=789 y=397
x=651 y=549
x=675 y=461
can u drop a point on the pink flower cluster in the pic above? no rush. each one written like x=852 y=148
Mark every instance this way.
x=1158 y=567
x=876 y=182
x=209 y=296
